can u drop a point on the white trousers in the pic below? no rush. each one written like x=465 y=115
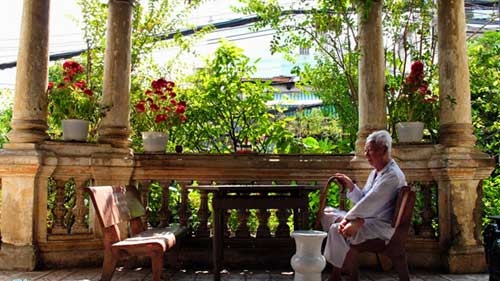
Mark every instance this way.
x=336 y=246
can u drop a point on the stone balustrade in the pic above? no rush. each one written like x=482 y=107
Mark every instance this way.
x=66 y=224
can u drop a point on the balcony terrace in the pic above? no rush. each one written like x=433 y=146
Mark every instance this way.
x=47 y=222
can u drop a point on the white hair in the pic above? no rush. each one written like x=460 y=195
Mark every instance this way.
x=382 y=138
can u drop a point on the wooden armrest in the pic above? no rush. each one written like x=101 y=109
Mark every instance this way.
x=322 y=202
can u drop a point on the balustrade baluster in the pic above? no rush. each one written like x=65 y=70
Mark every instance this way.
x=203 y=214
x=80 y=210
x=143 y=195
x=283 y=230
x=263 y=230
x=184 y=211
x=425 y=229
x=59 y=210
x=227 y=230
x=164 y=212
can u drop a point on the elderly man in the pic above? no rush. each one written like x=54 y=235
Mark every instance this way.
x=371 y=215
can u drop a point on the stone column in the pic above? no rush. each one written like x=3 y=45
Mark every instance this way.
x=29 y=120
x=371 y=67
x=454 y=88
x=457 y=166
x=114 y=128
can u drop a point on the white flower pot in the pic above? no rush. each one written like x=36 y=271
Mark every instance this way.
x=154 y=141
x=410 y=131
x=75 y=129
x=308 y=262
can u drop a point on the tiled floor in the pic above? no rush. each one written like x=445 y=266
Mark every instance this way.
x=88 y=274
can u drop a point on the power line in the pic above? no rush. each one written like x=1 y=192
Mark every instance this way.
x=220 y=25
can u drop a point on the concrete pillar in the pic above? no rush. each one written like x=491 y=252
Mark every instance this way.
x=454 y=88
x=115 y=128
x=29 y=120
x=24 y=219
x=371 y=110
x=372 y=113
x=457 y=166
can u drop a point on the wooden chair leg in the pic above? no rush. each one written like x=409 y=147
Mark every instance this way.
x=400 y=264
x=351 y=265
x=335 y=275
x=156 y=265
x=108 y=267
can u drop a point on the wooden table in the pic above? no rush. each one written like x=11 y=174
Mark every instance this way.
x=254 y=197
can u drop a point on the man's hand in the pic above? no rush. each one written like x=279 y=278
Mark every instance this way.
x=349 y=228
x=344 y=180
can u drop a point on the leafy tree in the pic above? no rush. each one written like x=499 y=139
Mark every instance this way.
x=226 y=107
x=484 y=67
x=328 y=27
x=317 y=132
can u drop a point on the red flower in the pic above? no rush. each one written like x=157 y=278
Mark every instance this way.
x=88 y=92
x=164 y=110
x=160 y=118
x=413 y=100
x=180 y=109
x=417 y=68
x=80 y=84
x=170 y=85
x=140 y=107
x=154 y=107
x=70 y=95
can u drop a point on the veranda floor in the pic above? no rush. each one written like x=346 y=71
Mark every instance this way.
x=88 y=274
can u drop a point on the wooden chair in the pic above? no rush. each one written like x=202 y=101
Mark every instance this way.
x=395 y=249
x=114 y=205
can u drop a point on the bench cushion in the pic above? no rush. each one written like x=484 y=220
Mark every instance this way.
x=162 y=237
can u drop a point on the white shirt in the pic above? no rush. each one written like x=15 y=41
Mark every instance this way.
x=375 y=203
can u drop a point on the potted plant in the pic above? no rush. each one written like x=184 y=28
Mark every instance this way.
x=411 y=106
x=72 y=104
x=158 y=110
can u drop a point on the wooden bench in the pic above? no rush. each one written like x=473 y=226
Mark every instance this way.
x=394 y=249
x=116 y=206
